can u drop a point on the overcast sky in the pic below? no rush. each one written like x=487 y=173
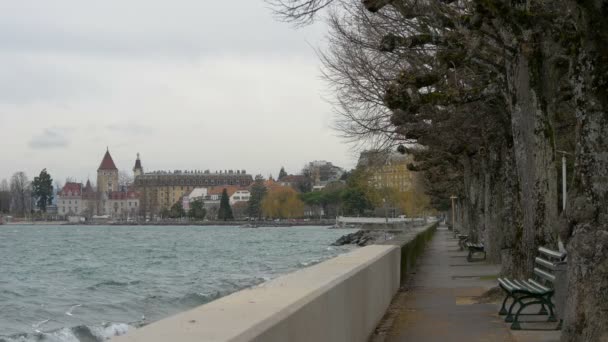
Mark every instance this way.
x=189 y=84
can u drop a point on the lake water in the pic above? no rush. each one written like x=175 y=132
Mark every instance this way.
x=88 y=283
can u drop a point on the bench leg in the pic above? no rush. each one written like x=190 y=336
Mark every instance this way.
x=470 y=256
x=540 y=300
x=515 y=325
x=551 y=313
x=517 y=300
x=503 y=309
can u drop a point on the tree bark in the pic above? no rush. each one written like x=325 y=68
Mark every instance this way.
x=586 y=311
x=534 y=155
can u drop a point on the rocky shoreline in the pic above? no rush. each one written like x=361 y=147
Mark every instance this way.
x=363 y=238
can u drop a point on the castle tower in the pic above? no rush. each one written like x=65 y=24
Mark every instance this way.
x=137 y=169
x=107 y=175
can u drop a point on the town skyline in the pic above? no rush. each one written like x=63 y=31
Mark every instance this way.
x=166 y=87
x=124 y=163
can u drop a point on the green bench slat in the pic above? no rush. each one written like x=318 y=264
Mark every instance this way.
x=552 y=253
x=521 y=285
x=539 y=285
x=545 y=275
x=545 y=263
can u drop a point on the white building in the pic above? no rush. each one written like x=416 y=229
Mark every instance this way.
x=70 y=201
x=197 y=194
x=240 y=196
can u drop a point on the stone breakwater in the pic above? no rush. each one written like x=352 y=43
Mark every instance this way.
x=363 y=238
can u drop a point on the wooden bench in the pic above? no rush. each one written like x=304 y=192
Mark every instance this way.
x=475 y=248
x=538 y=290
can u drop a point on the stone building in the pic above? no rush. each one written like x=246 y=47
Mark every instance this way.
x=107 y=174
x=108 y=200
x=387 y=169
x=161 y=189
x=322 y=172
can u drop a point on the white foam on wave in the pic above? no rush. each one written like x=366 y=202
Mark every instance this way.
x=35 y=326
x=69 y=312
x=110 y=330
x=100 y=333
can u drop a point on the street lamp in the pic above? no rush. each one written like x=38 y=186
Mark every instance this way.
x=453 y=212
x=385 y=210
x=564 y=190
x=560 y=244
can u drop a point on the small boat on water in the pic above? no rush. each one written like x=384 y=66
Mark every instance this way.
x=248 y=226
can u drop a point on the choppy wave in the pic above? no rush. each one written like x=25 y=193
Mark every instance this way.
x=81 y=333
x=113 y=283
x=61 y=283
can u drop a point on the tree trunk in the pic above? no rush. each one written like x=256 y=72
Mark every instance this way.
x=586 y=311
x=533 y=147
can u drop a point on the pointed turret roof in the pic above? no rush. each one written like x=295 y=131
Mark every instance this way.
x=137 y=164
x=107 y=163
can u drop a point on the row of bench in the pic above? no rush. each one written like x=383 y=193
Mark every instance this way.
x=521 y=293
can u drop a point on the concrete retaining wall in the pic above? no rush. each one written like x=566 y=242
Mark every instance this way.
x=341 y=299
x=412 y=245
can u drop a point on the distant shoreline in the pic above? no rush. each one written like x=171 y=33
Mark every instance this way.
x=258 y=224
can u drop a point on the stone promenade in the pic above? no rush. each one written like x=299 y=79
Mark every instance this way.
x=441 y=301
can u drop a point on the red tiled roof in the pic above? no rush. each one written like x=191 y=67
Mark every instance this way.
x=71 y=189
x=107 y=163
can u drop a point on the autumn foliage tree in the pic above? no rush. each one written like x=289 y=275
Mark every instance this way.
x=282 y=202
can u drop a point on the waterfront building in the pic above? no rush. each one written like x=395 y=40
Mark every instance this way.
x=107 y=174
x=198 y=194
x=109 y=200
x=387 y=169
x=161 y=189
x=69 y=200
x=322 y=172
x=242 y=195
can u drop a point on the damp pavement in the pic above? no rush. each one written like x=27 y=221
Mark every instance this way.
x=441 y=301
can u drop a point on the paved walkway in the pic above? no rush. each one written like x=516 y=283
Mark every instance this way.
x=440 y=303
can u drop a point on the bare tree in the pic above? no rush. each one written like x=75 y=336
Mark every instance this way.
x=300 y=12
x=5 y=197
x=21 y=193
x=125 y=179
x=4 y=185
x=490 y=88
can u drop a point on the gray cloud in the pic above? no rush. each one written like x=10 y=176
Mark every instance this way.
x=152 y=28
x=49 y=138
x=187 y=83
x=130 y=128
